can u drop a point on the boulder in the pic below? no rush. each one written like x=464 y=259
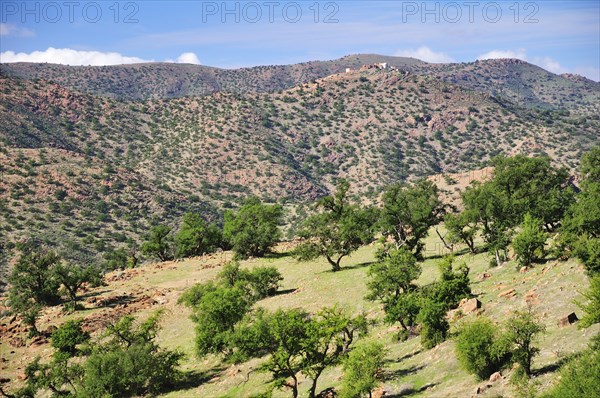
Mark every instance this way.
x=495 y=377
x=470 y=305
x=567 y=320
x=508 y=293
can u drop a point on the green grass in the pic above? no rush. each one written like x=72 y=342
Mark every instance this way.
x=410 y=370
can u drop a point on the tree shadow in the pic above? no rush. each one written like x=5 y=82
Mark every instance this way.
x=405 y=357
x=285 y=291
x=111 y=302
x=411 y=391
x=397 y=374
x=194 y=378
x=552 y=367
x=349 y=267
x=276 y=255
x=93 y=294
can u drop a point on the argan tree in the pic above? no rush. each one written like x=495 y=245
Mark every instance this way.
x=408 y=212
x=254 y=228
x=338 y=230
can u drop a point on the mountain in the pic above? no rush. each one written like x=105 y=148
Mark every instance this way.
x=512 y=79
x=87 y=172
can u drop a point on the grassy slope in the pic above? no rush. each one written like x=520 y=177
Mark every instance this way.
x=410 y=370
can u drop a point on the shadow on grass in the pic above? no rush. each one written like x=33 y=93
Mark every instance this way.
x=553 y=367
x=275 y=255
x=411 y=391
x=285 y=291
x=194 y=378
x=349 y=267
x=397 y=374
x=93 y=294
x=405 y=357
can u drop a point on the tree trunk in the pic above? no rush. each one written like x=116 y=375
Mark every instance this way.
x=295 y=387
x=471 y=245
x=335 y=265
x=449 y=247
x=313 y=388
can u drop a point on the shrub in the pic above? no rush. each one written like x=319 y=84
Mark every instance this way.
x=480 y=349
x=529 y=243
x=68 y=336
x=361 y=369
x=434 y=326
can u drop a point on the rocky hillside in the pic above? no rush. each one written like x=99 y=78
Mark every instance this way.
x=90 y=172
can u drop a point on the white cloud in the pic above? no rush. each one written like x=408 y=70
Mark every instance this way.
x=425 y=54
x=7 y=29
x=496 y=54
x=68 y=56
x=546 y=63
x=188 y=58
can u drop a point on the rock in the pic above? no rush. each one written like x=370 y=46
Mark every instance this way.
x=523 y=270
x=484 y=276
x=470 y=305
x=508 y=293
x=495 y=377
x=567 y=320
x=379 y=392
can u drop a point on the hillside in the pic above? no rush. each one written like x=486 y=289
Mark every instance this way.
x=410 y=370
x=518 y=81
x=90 y=173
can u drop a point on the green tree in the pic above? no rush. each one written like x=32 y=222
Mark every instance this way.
x=580 y=231
x=492 y=210
x=253 y=229
x=216 y=311
x=392 y=283
x=159 y=243
x=33 y=284
x=362 y=368
x=68 y=336
x=453 y=285
x=72 y=277
x=522 y=330
x=337 y=231
x=529 y=242
x=591 y=307
x=408 y=212
x=480 y=348
x=434 y=326
x=330 y=334
x=129 y=362
x=462 y=227
x=297 y=343
x=532 y=185
x=579 y=378
x=195 y=237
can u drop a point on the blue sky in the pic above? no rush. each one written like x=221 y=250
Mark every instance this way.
x=558 y=36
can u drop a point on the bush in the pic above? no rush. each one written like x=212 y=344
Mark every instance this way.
x=361 y=369
x=260 y=282
x=253 y=230
x=479 y=348
x=130 y=363
x=264 y=281
x=434 y=326
x=453 y=286
x=529 y=243
x=68 y=336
